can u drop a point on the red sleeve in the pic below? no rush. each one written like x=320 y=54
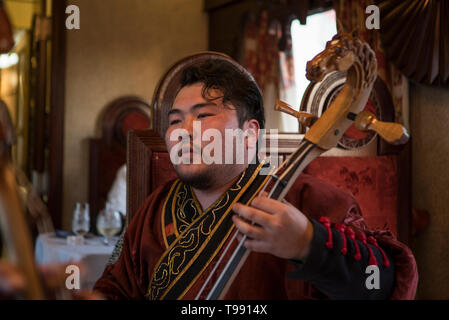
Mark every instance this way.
x=318 y=198
x=128 y=277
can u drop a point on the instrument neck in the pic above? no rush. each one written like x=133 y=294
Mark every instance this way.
x=283 y=180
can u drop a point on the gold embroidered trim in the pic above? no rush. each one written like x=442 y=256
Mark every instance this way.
x=224 y=240
x=164 y=235
x=188 y=241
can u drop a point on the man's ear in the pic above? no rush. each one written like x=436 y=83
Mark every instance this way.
x=251 y=128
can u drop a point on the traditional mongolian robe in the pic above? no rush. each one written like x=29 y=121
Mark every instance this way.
x=171 y=245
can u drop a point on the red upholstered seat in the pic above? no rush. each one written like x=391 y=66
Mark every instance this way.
x=162 y=169
x=380 y=183
x=373 y=181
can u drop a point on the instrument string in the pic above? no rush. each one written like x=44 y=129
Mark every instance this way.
x=286 y=171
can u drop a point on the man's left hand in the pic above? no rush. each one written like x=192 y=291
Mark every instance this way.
x=279 y=228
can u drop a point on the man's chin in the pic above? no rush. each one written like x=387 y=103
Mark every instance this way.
x=195 y=175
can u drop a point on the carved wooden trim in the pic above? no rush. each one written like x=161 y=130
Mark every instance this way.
x=57 y=112
x=141 y=145
x=108 y=153
x=115 y=111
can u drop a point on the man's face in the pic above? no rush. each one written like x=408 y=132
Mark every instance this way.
x=191 y=111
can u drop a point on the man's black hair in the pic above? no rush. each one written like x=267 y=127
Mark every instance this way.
x=237 y=87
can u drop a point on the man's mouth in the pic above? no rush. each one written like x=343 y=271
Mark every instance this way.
x=189 y=151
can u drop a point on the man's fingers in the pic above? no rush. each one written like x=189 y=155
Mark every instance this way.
x=267 y=205
x=263 y=194
x=55 y=275
x=248 y=229
x=255 y=245
x=88 y=295
x=12 y=280
x=287 y=203
x=252 y=214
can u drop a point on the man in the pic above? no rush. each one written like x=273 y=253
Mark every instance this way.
x=314 y=245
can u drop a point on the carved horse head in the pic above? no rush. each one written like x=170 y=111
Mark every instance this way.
x=345 y=53
x=338 y=56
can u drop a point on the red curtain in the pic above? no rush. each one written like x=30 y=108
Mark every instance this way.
x=260 y=54
x=272 y=68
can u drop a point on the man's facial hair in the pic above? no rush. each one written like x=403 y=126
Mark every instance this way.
x=202 y=180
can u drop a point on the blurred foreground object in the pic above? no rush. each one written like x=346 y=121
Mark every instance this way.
x=6 y=39
x=15 y=232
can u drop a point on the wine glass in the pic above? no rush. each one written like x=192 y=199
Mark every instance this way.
x=81 y=220
x=109 y=223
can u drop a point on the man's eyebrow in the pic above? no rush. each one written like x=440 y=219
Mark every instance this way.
x=193 y=108
x=201 y=105
x=173 y=111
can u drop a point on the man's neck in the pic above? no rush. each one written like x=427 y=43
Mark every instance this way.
x=209 y=196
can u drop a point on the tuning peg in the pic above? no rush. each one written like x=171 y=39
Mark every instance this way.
x=393 y=133
x=304 y=118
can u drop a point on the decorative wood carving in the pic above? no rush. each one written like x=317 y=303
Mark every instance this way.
x=108 y=153
x=318 y=96
x=147 y=155
x=122 y=114
x=147 y=162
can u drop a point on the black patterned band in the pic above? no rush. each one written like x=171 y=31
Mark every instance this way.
x=193 y=238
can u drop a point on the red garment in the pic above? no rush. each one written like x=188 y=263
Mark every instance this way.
x=263 y=276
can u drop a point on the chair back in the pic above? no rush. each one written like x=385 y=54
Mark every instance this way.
x=380 y=183
x=108 y=153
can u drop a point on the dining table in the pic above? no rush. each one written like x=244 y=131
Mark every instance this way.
x=91 y=254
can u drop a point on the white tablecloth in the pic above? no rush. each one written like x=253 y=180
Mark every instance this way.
x=93 y=254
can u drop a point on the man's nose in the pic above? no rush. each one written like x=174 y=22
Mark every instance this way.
x=188 y=125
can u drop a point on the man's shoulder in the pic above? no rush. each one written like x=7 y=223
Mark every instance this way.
x=162 y=190
x=316 y=197
x=315 y=184
x=305 y=180
x=153 y=200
